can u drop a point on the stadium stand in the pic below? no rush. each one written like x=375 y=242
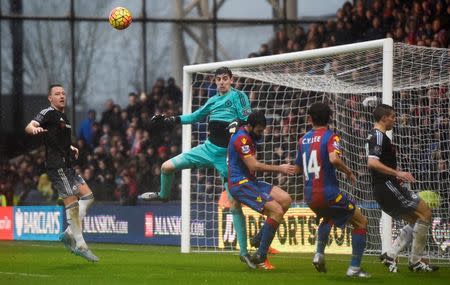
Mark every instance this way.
x=126 y=152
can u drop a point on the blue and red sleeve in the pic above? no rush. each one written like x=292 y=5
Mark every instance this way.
x=334 y=145
x=298 y=159
x=244 y=146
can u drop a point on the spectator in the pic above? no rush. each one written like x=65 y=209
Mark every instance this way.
x=108 y=113
x=127 y=192
x=133 y=108
x=86 y=131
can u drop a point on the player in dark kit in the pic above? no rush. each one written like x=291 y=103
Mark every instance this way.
x=318 y=157
x=394 y=199
x=77 y=197
x=262 y=197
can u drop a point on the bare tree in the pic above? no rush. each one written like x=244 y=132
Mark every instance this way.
x=47 y=52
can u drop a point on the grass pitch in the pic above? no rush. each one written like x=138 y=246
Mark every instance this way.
x=49 y=263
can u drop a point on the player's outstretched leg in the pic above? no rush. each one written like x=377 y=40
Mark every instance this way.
x=389 y=262
x=389 y=259
x=323 y=232
x=167 y=176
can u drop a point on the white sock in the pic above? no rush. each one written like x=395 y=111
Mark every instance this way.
x=85 y=202
x=419 y=241
x=404 y=238
x=73 y=219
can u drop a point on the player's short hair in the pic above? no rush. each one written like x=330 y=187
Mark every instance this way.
x=52 y=86
x=223 y=70
x=257 y=118
x=320 y=113
x=382 y=110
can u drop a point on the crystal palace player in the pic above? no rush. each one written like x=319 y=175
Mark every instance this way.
x=77 y=197
x=262 y=197
x=395 y=200
x=318 y=157
x=223 y=110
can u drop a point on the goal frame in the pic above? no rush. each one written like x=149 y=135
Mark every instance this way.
x=387 y=46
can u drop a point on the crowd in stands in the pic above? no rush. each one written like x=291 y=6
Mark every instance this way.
x=421 y=23
x=121 y=152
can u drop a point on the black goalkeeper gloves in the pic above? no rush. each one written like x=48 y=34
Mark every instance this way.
x=163 y=119
x=234 y=126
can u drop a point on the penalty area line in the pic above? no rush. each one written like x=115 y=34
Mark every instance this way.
x=25 y=274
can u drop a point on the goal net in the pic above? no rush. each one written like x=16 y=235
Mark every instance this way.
x=352 y=79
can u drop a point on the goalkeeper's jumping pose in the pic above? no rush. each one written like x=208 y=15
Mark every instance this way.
x=224 y=110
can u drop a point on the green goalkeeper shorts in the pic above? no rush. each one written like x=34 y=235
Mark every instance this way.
x=206 y=155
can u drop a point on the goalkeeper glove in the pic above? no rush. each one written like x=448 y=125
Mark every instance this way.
x=172 y=120
x=233 y=126
x=163 y=119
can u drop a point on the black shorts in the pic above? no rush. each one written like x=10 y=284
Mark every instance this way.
x=394 y=199
x=65 y=181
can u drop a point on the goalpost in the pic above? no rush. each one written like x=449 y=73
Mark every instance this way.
x=352 y=79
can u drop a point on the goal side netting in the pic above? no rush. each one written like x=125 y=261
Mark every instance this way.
x=352 y=79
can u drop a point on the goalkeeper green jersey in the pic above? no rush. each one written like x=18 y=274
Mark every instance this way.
x=222 y=110
x=227 y=107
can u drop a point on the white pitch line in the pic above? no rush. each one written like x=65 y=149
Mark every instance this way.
x=25 y=274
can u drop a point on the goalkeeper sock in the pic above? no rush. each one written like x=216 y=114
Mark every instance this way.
x=323 y=232
x=403 y=239
x=268 y=233
x=358 y=246
x=419 y=241
x=73 y=219
x=166 y=185
x=241 y=231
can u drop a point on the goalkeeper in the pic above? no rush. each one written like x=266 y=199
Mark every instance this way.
x=225 y=110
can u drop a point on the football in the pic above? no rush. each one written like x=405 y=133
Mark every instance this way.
x=431 y=198
x=120 y=18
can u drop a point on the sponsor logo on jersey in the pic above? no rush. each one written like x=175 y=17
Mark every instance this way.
x=336 y=145
x=377 y=150
x=245 y=149
x=62 y=123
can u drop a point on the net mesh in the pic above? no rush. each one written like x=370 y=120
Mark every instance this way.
x=352 y=84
